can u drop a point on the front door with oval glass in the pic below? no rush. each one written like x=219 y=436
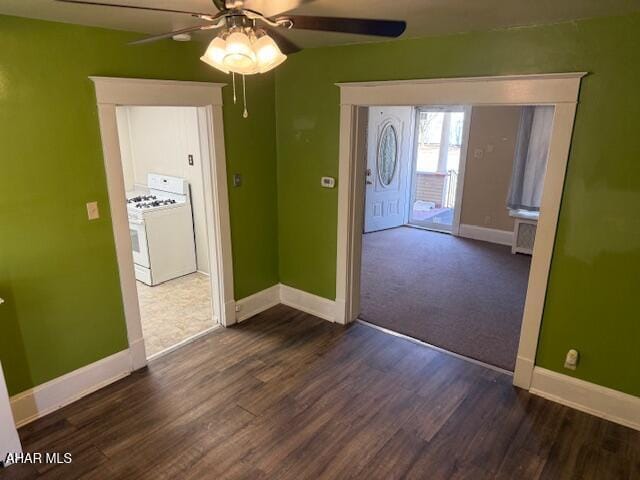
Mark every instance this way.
x=387 y=173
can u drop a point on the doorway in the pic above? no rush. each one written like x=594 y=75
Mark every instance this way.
x=207 y=99
x=560 y=90
x=162 y=153
x=415 y=164
x=453 y=291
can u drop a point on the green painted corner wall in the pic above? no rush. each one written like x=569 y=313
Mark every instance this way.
x=592 y=302
x=58 y=271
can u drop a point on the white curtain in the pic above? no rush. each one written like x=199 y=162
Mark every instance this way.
x=530 y=161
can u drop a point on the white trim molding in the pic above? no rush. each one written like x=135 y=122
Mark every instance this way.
x=283 y=294
x=550 y=88
x=48 y=397
x=113 y=92
x=587 y=397
x=59 y=392
x=501 y=237
x=558 y=89
x=308 y=303
x=258 y=302
x=9 y=439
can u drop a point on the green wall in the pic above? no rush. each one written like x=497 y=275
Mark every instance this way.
x=592 y=302
x=58 y=271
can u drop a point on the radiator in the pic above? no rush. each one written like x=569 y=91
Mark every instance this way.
x=524 y=235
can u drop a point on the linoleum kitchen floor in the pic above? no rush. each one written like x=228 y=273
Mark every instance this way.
x=174 y=311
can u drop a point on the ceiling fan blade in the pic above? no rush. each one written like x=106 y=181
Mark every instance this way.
x=382 y=28
x=285 y=45
x=269 y=8
x=220 y=4
x=168 y=35
x=135 y=7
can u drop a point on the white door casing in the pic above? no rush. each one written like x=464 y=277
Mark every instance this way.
x=9 y=440
x=113 y=92
x=386 y=200
x=558 y=89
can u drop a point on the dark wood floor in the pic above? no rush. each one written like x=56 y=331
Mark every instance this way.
x=288 y=396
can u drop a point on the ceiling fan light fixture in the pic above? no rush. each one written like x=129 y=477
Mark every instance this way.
x=268 y=55
x=215 y=54
x=239 y=55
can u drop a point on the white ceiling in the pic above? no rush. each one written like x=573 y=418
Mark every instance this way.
x=424 y=17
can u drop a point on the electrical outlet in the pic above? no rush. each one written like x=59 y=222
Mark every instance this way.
x=237 y=179
x=93 y=213
x=478 y=153
x=190 y=158
x=571 y=360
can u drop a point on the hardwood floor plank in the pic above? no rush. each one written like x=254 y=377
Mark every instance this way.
x=286 y=395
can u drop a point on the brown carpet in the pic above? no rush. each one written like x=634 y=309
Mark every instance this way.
x=462 y=295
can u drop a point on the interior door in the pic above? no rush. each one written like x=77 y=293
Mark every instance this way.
x=389 y=139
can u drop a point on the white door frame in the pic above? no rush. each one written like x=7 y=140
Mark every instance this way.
x=558 y=89
x=113 y=92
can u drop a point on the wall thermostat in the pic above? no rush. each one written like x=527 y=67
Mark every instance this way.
x=328 y=182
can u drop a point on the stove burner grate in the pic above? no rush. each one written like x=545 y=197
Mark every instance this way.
x=141 y=198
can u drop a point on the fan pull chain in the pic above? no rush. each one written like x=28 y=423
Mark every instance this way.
x=245 y=114
x=233 y=80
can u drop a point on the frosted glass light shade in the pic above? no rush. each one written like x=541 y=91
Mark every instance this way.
x=215 y=54
x=240 y=57
x=268 y=55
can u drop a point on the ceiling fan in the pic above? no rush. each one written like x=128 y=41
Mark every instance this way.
x=248 y=40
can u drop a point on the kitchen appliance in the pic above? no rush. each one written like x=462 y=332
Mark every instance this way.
x=161 y=227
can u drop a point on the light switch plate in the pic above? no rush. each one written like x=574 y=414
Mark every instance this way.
x=93 y=213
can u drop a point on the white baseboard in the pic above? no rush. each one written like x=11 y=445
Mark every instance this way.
x=299 y=299
x=523 y=372
x=228 y=314
x=308 y=302
x=587 y=397
x=57 y=393
x=502 y=237
x=50 y=396
x=138 y=354
x=258 y=302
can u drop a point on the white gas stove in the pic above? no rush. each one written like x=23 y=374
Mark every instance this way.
x=161 y=226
